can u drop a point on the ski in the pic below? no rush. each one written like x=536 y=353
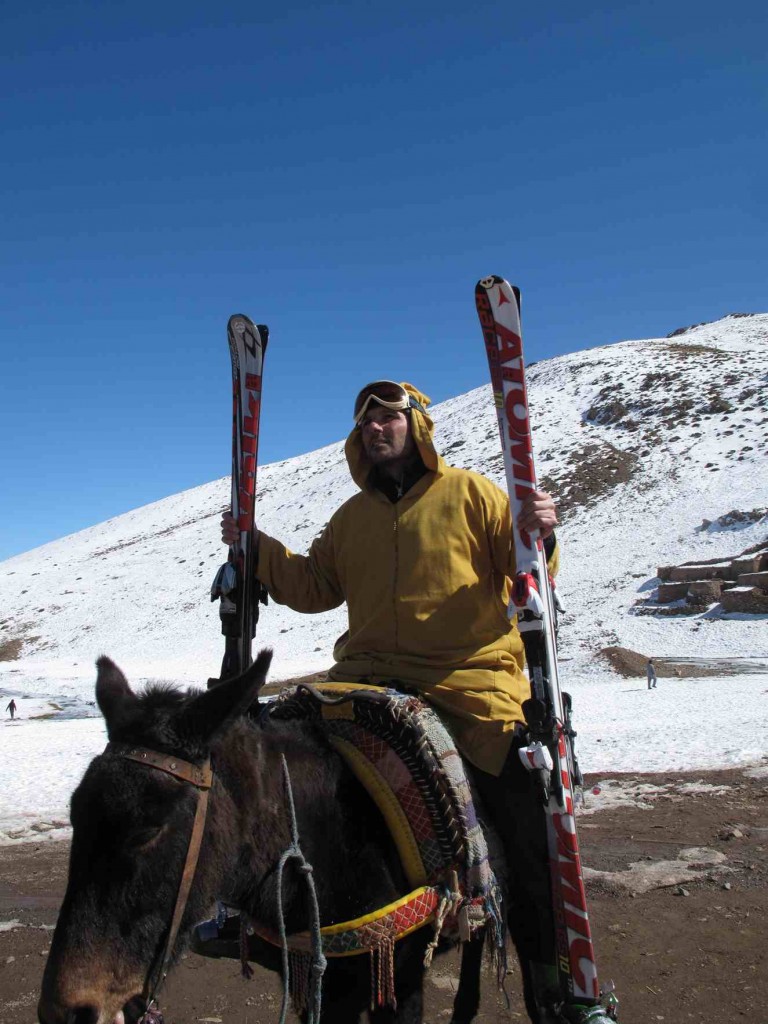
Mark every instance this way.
x=549 y=754
x=234 y=586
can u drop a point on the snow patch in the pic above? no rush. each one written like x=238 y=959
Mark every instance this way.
x=643 y=876
x=612 y=793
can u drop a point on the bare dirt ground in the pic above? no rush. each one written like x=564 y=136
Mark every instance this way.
x=683 y=935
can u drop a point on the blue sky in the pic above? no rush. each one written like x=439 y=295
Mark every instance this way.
x=343 y=172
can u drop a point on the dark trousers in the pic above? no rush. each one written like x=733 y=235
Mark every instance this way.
x=517 y=813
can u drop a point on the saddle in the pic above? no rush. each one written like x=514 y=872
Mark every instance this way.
x=405 y=758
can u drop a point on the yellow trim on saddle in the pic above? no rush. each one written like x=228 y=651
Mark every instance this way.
x=302 y=941
x=377 y=786
x=337 y=689
x=377 y=915
x=397 y=823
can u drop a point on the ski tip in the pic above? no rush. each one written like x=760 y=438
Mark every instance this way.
x=239 y=325
x=490 y=281
x=494 y=280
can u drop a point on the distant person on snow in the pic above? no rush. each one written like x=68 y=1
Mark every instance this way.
x=650 y=672
x=423 y=556
x=11 y=707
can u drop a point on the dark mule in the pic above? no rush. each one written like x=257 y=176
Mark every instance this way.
x=131 y=829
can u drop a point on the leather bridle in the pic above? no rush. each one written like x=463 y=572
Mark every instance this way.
x=201 y=777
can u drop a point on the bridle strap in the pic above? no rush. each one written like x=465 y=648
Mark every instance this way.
x=187 y=876
x=201 y=777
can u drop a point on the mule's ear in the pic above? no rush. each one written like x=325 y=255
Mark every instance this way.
x=113 y=694
x=215 y=708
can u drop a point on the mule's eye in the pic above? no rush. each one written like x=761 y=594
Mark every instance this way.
x=143 y=836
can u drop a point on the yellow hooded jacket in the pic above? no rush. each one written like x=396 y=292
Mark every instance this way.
x=425 y=581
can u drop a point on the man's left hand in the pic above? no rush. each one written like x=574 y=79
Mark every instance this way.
x=538 y=512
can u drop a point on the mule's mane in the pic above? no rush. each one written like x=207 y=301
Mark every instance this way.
x=166 y=696
x=162 y=717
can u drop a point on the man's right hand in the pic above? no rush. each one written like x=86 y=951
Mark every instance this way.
x=230 y=534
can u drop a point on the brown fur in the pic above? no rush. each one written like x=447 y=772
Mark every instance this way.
x=131 y=826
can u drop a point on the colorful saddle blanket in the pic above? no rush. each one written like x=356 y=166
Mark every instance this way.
x=406 y=759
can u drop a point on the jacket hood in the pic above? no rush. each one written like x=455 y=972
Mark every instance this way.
x=422 y=428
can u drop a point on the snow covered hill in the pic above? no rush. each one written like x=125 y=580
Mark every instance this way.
x=639 y=441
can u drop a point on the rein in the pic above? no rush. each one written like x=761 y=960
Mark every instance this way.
x=319 y=963
x=201 y=777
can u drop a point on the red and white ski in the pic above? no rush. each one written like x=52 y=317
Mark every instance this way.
x=234 y=586
x=549 y=754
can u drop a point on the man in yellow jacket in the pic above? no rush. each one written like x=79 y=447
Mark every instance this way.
x=423 y=556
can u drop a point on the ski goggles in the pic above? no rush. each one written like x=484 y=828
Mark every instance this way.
x=388 y=393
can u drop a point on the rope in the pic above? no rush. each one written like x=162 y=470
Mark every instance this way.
x=449 y=904
x=318 y=962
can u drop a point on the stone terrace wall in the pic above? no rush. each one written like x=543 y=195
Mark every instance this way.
x=738 y=583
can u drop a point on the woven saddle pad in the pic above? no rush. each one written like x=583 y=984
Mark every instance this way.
x=407 y=760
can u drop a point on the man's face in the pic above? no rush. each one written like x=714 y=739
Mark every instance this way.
x=386 y=435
